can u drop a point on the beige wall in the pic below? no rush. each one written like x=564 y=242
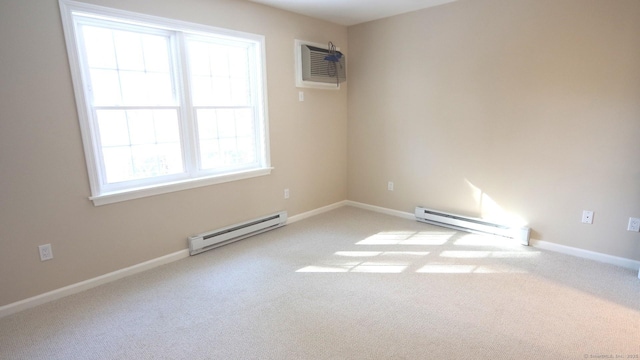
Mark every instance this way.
x=44 y=186
x=479 y=107
x=526 y=107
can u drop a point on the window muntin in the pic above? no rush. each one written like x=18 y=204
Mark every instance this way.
x=165 y=102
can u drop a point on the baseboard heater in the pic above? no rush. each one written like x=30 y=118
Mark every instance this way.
x=470 y=224
x=216 y=238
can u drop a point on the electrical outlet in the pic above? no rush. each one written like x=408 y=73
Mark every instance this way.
x=300 y=95
x=286 y=193
x=45 y=252
x=634 y=224
x=587 y=217
x=390 y=186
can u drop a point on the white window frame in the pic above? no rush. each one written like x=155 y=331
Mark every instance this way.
x=102 y=193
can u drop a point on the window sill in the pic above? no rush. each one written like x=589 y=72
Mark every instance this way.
x=114 y=197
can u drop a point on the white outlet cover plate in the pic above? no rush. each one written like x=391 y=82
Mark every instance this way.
x=46 y=253
x=587 y=217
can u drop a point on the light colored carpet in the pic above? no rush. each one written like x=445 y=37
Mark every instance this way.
x=347 y=284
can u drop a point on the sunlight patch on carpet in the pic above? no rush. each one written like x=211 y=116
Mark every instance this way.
x=408 y=238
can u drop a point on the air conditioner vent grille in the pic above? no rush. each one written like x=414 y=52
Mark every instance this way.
x=315 y=70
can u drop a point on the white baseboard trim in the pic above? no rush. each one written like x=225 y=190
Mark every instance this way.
x=90 y=283
x=34 y=301
x=315 y=212
x=545 y=245
x=18 y=306
x=382 y=210
x=587 y=254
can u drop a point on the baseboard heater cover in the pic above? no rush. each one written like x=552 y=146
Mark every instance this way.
x=470 y=224
x=216 y=238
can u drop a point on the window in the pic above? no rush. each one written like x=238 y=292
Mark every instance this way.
x=164 y=105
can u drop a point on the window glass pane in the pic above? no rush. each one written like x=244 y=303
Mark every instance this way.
x=140 y=143
x=240 y=92
x=141 y=128
x=159 y=89
x=113 y=128
x=106 y=87
x=246 y=150
x=170 y=158
x=129 y=53
x=219 y=59
x=118 y=127
x=228 y=150
x=156 y=54
x=99 y=47
x=145 y=161
x=128 y=67
x=221 y=91
x=199 y=59
x=227 y=137
x=202 y=90
x=207 y=125
x=226 y=123
x=238 y=63
x=210 y=154
x=167 y=126
x=117 y=163
x=226 y=70
x=155 y=160
x=134 y=88
x=244 y=123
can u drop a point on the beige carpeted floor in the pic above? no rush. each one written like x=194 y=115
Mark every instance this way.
x=347 y=284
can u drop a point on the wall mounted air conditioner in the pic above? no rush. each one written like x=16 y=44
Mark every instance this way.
x=313 y=71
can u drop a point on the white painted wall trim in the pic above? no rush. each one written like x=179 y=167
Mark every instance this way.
x=586 y=254
x=147 y=265
x=90 y=283
x=119 y=274
x=545 y=245
x=402 y=214
x=315 y=212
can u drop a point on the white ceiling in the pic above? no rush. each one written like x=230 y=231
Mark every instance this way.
x=351 y=12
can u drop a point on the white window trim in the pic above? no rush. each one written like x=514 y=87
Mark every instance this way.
x=109 y=198
x=101 y=198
